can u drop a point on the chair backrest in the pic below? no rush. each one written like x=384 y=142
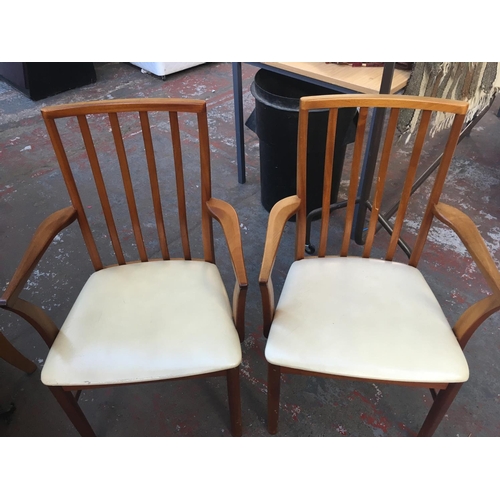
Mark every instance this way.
x=365 y=103
x=116 y=154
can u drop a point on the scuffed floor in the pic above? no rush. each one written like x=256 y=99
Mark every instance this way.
x=31 y=188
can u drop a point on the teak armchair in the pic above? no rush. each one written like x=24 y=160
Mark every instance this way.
x=150 y=319
x=365 y=318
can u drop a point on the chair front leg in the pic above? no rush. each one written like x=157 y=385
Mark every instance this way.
x=73 y=411
x=273 y=397
x=234 y=397
x=438 y=409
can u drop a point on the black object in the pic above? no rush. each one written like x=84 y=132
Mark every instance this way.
x=6 y=415
x=275 y=121
x=40 y=80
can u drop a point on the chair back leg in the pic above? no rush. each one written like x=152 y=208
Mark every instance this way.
x=73 y=411
x=273 y=397
x=233 y=391
x=438 y=409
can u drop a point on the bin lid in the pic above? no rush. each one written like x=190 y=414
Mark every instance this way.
x=283 y=92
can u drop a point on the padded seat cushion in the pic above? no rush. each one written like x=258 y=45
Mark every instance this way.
x=145 y=321
x=363 y=318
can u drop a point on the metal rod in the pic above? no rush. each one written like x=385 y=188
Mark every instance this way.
x=387 y=226
x=370 y=160
x=315 y=215
x=238 y=118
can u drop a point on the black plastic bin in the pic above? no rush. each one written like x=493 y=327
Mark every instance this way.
x=275 y=120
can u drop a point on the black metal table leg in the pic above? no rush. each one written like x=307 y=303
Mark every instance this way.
x=370 y=160
x=238 y=118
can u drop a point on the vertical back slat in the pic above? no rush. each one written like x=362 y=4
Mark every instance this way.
x=300 y=238
x=327 y=180
x=382 y=173
x=206 y=187
x=410 y=177
x=101 y=187
x=127 y=183
x=153 y=179
x=179 y=182
x=73 y=192
x=353 y=184
x=437 y=188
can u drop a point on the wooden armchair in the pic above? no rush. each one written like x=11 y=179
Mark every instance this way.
x=364 y=318
x=150 y=319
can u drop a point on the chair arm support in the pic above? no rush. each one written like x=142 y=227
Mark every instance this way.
x=36 y=317
x=278 y=217
x=226 y=215
x=41 y=240
x=473 y=317
x=467 y=231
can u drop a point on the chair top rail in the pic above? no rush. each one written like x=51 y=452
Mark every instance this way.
x=124 y=105
x=386 y=101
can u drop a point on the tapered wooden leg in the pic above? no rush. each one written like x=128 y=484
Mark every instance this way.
x=440 y=406
x=273 y=397
x=73 y=411
x=233 y=392
x=10 y=354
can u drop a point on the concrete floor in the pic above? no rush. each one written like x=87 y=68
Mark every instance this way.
x=31 y=188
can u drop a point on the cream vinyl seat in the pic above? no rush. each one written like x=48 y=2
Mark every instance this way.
x=363 y=318
x=144 y=322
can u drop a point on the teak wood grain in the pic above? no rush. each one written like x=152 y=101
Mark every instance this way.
x=353 y=184
x=382 y=174
x=410 y=177
x=327 y=179
x=41 y=240
x=278 y=217
x=101 y=187
x=153 y=179
x=179 y=181
x=127 y=184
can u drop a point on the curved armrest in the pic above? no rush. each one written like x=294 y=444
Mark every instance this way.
x=226 y=215
x=278 y=217
x=42 y=238
x=473 y=241
x=467 y=231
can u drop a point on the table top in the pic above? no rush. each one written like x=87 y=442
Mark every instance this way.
x=359 y=79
